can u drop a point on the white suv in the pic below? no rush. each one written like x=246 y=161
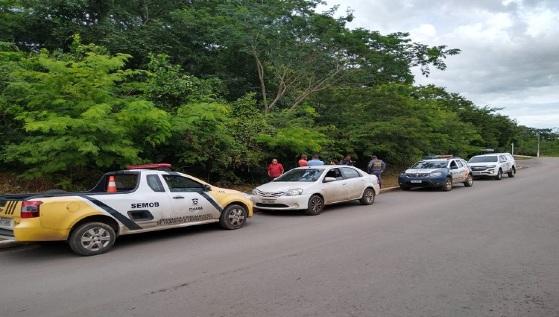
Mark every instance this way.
x=493 y=165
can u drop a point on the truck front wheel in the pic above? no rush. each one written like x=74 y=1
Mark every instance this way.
x=92 y=238
x=233 y=217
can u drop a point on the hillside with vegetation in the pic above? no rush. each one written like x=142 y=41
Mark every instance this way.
x=218 y=88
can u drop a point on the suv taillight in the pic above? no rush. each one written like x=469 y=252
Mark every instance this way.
x=30 y=209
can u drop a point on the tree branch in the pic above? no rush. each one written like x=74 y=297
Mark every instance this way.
x=260 y=70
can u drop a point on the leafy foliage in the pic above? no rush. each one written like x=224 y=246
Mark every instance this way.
x=72 y=114
x=221 y=87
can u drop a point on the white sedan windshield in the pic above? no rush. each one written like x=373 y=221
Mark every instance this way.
x=300 y=175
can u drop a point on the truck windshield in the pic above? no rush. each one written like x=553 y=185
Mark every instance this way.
x=483 y=159
x=300 y=175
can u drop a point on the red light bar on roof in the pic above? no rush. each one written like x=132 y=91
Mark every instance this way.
x=150 y=166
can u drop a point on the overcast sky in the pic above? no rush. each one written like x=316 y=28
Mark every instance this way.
x=510 y=48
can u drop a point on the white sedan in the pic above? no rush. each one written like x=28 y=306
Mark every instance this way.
x=311 y=188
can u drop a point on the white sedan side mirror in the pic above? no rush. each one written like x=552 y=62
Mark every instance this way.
x=329 y=179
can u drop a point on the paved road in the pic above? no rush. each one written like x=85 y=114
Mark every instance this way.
x=490 y=250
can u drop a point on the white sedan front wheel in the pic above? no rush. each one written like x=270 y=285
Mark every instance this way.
x=316 y=204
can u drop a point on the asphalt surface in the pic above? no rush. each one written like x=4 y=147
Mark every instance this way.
x=489 y=250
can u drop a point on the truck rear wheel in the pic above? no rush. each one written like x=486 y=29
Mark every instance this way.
x=92 y=238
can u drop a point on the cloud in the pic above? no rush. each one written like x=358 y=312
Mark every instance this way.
x=509 y=53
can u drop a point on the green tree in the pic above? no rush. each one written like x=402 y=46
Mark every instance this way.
x=73 y=113
x=202 y=137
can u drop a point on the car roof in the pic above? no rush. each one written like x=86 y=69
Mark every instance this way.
x=441 y=159
x=492 y=154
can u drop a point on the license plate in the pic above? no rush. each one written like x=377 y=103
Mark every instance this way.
x=476 y=173
x=6 y=223
x=415 y=181
x=268 y=201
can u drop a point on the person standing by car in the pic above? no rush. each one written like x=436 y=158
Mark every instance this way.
x=275 y=169
x=302 y=161
x=347 y=161
x=376 y=166
x=316 y=161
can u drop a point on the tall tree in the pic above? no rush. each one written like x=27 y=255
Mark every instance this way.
x=76 y=113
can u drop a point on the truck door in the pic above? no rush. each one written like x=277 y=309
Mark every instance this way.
x=190 y=201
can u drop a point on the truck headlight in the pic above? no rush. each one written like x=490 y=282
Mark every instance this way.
x=294 y=192
x=436 y=174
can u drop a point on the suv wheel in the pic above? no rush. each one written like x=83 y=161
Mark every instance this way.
x=447 y=185
x=499 y=175
x=512 y=172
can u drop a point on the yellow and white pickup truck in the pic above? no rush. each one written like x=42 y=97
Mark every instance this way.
x=140 y=199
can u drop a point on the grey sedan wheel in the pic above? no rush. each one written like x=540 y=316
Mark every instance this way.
x=92 y=238
x=316 y=204
x=233 y=217
x=368 y=197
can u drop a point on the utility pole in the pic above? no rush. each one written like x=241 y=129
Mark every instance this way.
x=538 y=153
x=512 y=148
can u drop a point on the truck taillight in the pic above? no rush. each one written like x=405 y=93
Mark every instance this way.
x=30 y=209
